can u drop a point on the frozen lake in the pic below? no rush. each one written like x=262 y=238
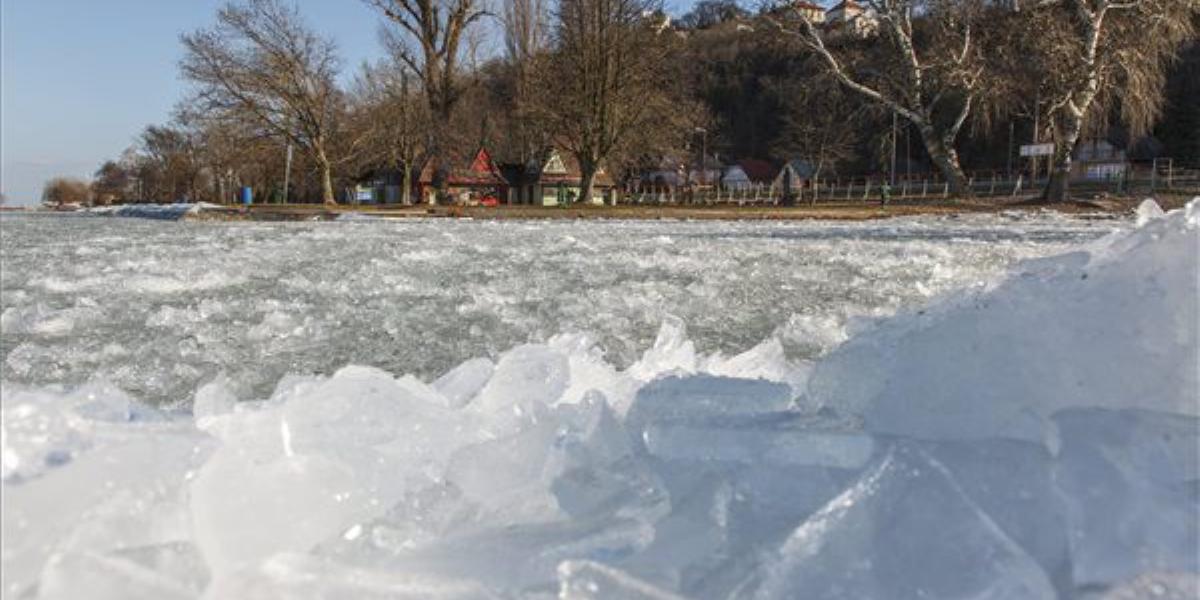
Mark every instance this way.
x=160 y=307
x=988 y=406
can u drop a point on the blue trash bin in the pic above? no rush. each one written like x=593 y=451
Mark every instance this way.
x=247 y=196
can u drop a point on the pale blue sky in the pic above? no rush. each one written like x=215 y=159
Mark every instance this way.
x=80 y=78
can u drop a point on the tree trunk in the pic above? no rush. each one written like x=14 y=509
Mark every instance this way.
x=327 y=196
x=588 y=182
x=439 y=150
x=406 y=185
x=945 y=158
x=1058 y=186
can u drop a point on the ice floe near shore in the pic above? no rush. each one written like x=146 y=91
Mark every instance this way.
x=163 y=212
x=1033 y=439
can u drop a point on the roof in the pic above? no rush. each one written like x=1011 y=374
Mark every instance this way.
x=805 y=5
x=757 y=170
x=850 y=4
x=802 y=168
x=480 y=171
x=562 y=168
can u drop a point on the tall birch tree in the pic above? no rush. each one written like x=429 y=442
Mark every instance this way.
x=1089 y=59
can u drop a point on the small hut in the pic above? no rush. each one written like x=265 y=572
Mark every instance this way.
x=467 y=182
x=558 y=180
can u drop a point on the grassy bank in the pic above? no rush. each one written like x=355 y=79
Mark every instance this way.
x=853 y=211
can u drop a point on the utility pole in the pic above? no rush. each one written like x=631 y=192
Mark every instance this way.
x=287 y=172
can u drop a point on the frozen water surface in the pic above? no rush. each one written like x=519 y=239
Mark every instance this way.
x=159 y=308
x=988 y=406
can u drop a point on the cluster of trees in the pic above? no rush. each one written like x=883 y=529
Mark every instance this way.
x=615 y=83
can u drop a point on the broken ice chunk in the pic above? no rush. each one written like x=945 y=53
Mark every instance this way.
x=1147 y=211
x=1013 y=482
x=774 y=446
x=463 y=382
x=123 y=494
x=1130 y=482
x=590 y=580
x=527 y=379
x=244 y=511
x=301 y=577
x=905 y=530
x=507 y=476
x=87 y=575
x=213 y=399
x=1159 y=586
x=671 y=352
x=704 y=399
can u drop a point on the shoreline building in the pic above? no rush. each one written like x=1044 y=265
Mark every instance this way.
x=467 y=182
x=557 y=180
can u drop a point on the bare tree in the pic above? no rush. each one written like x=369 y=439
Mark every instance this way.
x=609 y=79
x=63 y=191
x=171 y=153
x=111 y=183
x=390 y=121
x=815 y=124
x=263 y=63
x=929 y=70
x=428 y=38
x=526 y=41
x=1089 y=58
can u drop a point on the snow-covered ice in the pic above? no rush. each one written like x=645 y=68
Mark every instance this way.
x=430 y=409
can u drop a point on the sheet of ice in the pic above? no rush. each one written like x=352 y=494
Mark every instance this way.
x=588 y=580
x=601 y=461
x=160 y=308
x=1130 y=481
x=1113 y=325
x=905 y=530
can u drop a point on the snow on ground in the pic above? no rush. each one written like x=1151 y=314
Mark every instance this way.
x=1031 y=435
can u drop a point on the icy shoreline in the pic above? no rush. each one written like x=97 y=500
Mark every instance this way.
x=1034 y=438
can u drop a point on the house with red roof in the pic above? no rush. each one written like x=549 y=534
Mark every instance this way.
x=850 y=17
x=467 y=181
x=809 y=11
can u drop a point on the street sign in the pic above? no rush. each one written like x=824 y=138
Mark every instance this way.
x=1037 y=149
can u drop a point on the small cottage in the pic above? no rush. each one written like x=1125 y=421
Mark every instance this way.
x=793 y=176
x=467 y=182
x=558 y=180
x=1098 y=159
x=746 y=174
